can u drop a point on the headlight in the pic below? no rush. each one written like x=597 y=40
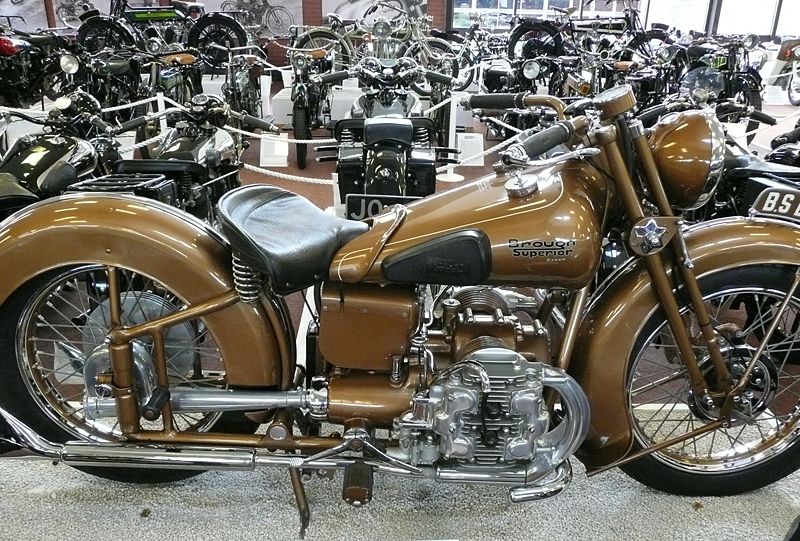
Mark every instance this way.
x=758 y=59
x=62 y=103
x=750 y=42
x=794 y=53
x=69 y=64
x=299 y=61
x=382 y=29
x=666 y=54
x=153 y=46
x=531 y=69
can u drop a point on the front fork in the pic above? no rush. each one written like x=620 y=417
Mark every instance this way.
x=660 y=233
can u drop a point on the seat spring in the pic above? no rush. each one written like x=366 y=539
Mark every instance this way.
x=247 y=281
x=421 y=136
x=346 y=136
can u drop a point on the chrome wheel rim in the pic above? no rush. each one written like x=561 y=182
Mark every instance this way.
x=67 y=314
x=659 y=397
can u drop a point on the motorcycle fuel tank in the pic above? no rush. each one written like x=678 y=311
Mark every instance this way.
x=31 y=158
x=478 y=234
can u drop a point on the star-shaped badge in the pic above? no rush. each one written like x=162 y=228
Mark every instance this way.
x=648 y=237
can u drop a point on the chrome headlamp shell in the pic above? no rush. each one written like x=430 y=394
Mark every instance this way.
x=382 y=29
x=69 y=64
x=750 y=42
x=153 y=46
x=666 y=54
x=794 y=52
x=531 y=69
x=299 y=61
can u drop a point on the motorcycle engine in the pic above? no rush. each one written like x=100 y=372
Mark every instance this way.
x=487 y=408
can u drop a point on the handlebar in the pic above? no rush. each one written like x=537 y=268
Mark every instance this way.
x=789 y=137
x=538 y=143
x=763 y=118
x=440 y=78
x=334 y=77
x=521 y=100
x=255 y=122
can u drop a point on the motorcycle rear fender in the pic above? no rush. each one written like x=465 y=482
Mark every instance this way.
x=622 y=307
x=180 y=252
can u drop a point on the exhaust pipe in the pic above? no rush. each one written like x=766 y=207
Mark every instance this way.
x=87 y=454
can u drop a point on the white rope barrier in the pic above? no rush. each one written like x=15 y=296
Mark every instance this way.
x=284 y=176
x=275 y=138
x=437 y=106
x=503 y=124
x=144 y=143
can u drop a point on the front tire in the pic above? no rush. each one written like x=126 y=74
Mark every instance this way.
x=52 y=326
x=793 y=90
x=97 y=33
x=732 y=460
x=218 y=29
x=301 y=130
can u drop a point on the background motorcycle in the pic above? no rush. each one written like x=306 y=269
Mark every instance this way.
x=153 y=29
x=310 y=101
x=29 y=68
x=387 y=152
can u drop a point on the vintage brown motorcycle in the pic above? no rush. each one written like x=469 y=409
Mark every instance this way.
x=138 y=344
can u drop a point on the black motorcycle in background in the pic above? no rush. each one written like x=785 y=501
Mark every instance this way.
x=387 y=152
x=29 y=67
x=310 y=100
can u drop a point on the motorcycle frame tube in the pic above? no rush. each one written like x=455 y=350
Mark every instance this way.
x=188 y=257
x=621 y=307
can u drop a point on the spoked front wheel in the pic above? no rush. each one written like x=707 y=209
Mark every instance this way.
x=761 y=444
x=277 y=20
x=52 y=350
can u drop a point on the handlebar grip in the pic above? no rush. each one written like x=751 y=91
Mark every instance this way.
x=440 y=78
x=494 y=101
x=101 y=124
x=651 y=114
x=335 y=77
x=788 y=137
x=763 y=118
x=131 y=124
x=542 y=141
x=255 y=122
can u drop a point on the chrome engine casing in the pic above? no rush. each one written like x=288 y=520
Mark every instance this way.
x=489 y=411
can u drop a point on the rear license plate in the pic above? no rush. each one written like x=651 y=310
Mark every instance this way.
x=780 y=202
x=361 y=206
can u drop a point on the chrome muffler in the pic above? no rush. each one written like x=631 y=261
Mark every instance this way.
x=121 y=455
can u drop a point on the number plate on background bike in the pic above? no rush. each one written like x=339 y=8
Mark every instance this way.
x=780 y=202
x=360 y=206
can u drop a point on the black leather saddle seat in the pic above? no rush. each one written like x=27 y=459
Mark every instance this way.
x=166 y=167
x=12 y=192
x=336 y=18
x=748 y=166
x=379 y=129
x=283 y=235
x=188 y=7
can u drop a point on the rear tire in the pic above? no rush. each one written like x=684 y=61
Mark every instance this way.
x=24 y=394
x=218 y=29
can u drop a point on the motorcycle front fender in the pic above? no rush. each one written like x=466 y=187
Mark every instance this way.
x=621 y=308
x=184 y=254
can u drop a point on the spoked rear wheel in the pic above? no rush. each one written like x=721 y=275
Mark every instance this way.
x=761 y=445
x=52 y=346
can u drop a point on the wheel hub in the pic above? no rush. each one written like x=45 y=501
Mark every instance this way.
x=757 y=394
